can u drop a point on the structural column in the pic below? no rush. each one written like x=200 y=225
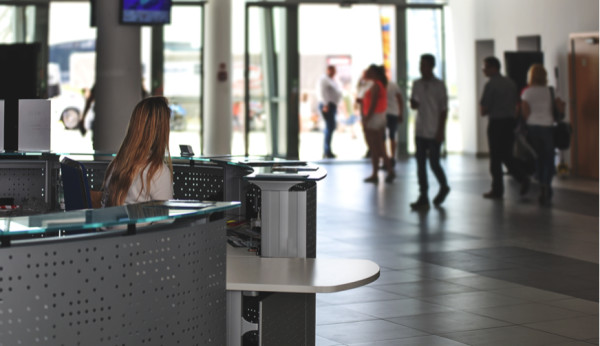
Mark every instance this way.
x=217 y=79
x=118 y=76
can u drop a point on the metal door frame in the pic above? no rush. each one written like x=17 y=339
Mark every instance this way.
x=273 y=95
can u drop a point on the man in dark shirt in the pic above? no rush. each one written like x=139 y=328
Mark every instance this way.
x=499 y=102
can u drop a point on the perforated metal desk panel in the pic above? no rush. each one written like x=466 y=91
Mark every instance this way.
x=31 y=179
x=163 y=285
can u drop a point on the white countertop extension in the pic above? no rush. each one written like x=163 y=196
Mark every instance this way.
x=247 y=272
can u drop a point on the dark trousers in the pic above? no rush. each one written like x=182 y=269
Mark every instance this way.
x=330 y=125
x=542 y=141
x=501 y=138
x=431 y=146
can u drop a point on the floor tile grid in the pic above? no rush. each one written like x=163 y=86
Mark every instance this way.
x=402 y=290
x=453 y=322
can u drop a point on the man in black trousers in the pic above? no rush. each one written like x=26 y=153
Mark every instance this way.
x=499 y=103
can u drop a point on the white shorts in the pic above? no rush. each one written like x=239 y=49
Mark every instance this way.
x=377 y=121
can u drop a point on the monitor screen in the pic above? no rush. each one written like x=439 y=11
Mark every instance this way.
x=149 y=12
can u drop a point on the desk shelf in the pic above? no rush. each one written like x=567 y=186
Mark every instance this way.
x=298 y=275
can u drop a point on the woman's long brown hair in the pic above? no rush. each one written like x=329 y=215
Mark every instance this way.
x=145 y=144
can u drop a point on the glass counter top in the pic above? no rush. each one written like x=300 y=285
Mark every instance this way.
x=255 y=167
x=84 y=156
x=107 y=217
x=233 y=160
x=45 y=153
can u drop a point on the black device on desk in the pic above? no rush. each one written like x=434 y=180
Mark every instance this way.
x=186 y=150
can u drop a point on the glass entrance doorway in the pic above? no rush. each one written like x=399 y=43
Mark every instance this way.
x=424 y=35
x=180 y=74
x=265 y=85
x=349 y=38
x=287 y=49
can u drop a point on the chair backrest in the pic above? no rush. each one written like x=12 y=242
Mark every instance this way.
x=75 y=185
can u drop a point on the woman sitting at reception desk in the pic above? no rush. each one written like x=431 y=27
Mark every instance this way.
x=142 y=170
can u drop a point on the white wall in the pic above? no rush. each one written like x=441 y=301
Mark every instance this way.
x=502 y=21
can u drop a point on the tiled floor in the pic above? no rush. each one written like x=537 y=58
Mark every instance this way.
x=473 y=272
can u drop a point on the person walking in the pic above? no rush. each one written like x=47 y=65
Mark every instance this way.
x=430 y=99
x=537 y=108
x=374 y=105
x=499 y=103
x=330 y=94
x=395 y=107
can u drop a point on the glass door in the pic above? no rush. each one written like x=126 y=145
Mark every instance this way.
x=424 y=35
x=71 y=74
x=265 y=109
x=182 y=74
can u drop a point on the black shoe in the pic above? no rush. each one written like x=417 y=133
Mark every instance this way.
x=390 y=177
x=545 y=195
x=392 y=164
x=328 y=156
x=441 y=196
x=492 y=195
x=421 y=204
x=525 y=186
x=371 y=180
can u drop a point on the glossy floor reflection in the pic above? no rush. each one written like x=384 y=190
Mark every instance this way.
x=472 y=272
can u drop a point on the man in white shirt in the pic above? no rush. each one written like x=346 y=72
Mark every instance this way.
x=430 y=99
x=329 y=94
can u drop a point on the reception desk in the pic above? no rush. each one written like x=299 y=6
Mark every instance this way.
x=146 y=273
x=126 y=276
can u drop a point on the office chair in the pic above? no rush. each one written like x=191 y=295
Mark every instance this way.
x=75 y=185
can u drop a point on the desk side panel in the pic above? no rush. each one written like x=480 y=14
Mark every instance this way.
x=289 y=221
x=31 y=182
x=287 y=319
x=163 y=287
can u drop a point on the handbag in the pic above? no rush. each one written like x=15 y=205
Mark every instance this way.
x=523 y=152
x=562 y=135
x=562 y=130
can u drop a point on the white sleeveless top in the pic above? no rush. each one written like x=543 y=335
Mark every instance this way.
x=161 y=187
x=540 y=104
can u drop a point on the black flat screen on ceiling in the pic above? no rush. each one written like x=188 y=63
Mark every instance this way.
x=145 y=12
